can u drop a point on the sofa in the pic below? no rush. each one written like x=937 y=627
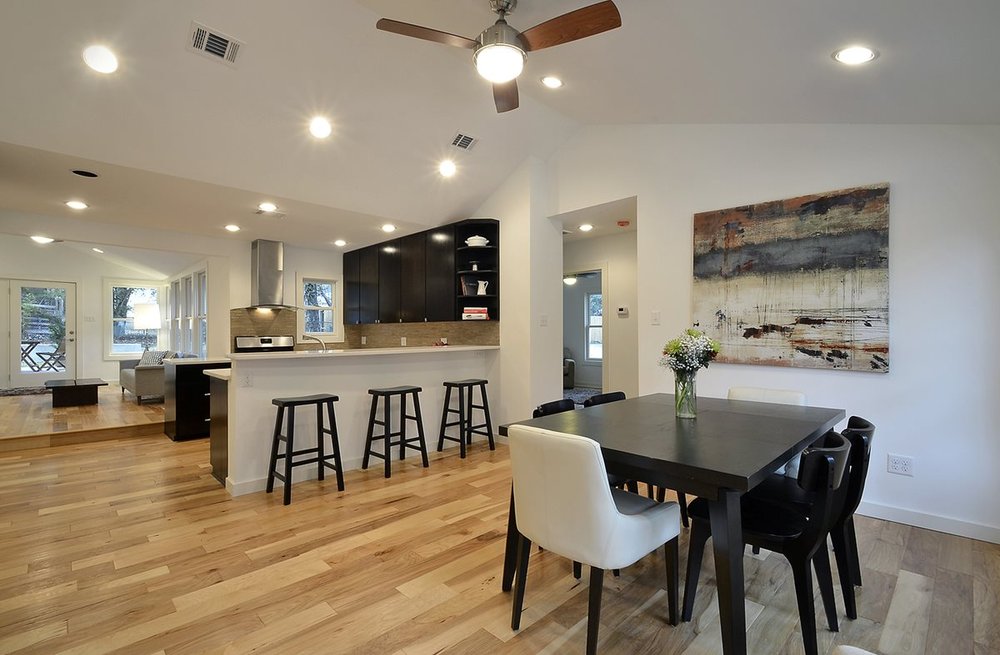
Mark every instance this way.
x=569 y=369
x=143 y=377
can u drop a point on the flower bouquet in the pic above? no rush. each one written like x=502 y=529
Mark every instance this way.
x=685 y=355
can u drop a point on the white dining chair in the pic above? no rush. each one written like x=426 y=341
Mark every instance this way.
x=565 y=505
x=851 y=650
x=779 y=397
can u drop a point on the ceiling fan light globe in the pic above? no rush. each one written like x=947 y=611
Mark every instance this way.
x=499 y=62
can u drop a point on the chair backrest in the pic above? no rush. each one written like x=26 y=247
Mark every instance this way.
x=821 y=473
x=567 y=353
x=553 y=407
x=762 y=395
x=561 y=492
x=601 y=398
x=860 y=433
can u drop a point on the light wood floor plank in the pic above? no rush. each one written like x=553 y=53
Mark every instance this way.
x=130 y=547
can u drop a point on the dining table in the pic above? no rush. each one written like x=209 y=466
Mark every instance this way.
x=727 y=450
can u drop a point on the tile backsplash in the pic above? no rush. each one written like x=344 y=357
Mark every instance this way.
x=458 y=333
x=248 y=322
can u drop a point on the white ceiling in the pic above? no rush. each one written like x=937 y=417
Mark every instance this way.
x=186 y=142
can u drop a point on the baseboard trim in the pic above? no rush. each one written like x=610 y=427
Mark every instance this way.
x=931 y=522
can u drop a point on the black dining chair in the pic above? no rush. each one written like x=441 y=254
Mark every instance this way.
x=798 y=534
x=778 y=488
x=602 y=398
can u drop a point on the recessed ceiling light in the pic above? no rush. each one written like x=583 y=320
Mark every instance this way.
x=76 y=204
x=233 y=228
x=340 y=243
x=552 y=81
x=586 y=227
x=855 y=55
x=447 y=168
x=267 y=207
x=98 y=250
x=569 y=280
x=319 y=127
x=83 y=173
x=101 y=59
x=388 y=227
x=40 y=239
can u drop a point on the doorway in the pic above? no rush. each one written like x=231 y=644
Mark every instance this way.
x=583 y=334
x=41 y=319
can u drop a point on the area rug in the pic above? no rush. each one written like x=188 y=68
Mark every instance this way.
x=579 y=394
x=23 y=391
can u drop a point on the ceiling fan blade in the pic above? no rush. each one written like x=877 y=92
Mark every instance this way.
x=505 y=96
x=578 y=24
x=425 y=33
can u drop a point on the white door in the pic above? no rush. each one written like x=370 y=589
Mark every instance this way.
x=42 y=319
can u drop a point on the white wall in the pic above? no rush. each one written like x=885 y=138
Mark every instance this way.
x=616 y=255
x=531 y=288
x=937 y=403
x=588 y=373
x=305 y=262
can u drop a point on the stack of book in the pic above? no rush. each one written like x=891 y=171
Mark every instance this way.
x=475 y=314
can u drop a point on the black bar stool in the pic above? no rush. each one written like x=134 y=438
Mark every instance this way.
x=386 y=423
x=466 y=405
x=322 y=460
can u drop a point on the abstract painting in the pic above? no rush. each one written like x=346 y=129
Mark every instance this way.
x=801 y=282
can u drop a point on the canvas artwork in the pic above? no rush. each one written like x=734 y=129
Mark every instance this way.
x=800 y=282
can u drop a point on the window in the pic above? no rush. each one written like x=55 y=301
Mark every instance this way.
x=189 y=313
x=317 y=305
x=594 y=322
x=123 y=339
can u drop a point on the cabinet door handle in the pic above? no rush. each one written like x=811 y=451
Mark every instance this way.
x=207 y=420
x=208 y=394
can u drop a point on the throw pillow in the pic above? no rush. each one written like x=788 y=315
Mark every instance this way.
x=152 y=358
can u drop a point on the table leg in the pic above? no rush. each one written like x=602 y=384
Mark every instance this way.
x=727 y=544
x=510 y=550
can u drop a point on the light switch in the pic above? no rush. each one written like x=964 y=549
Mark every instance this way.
x=543 y=320
x=654 y=318
x=623 y=311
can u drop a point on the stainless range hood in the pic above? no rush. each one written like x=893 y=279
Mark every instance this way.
x=267 y=274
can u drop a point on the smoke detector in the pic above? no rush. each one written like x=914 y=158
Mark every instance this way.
x=213 y=44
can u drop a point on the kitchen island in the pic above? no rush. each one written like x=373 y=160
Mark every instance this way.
x=256 y=378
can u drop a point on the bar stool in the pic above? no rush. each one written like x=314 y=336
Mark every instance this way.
x=322 y=460
x=386 y=423
x=466 y=405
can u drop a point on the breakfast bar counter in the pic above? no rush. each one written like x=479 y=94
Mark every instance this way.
x=257 y=378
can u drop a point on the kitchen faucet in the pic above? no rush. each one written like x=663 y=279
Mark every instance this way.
x=316 y=339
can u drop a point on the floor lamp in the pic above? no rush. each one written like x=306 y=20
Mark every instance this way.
x=146 y=317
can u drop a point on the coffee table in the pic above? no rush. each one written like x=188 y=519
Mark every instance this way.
x=72 y=393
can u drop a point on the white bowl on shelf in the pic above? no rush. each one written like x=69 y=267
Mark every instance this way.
x=476 y=241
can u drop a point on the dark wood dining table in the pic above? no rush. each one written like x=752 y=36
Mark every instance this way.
x=727 y=450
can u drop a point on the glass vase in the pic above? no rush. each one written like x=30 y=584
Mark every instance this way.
x=685 y=394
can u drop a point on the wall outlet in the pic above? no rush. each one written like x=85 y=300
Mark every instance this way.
x=900 y=465
x=654 y=318
x=402 y=341
x=364 y=341
x=444 y=340
x=245 y=379
x=543 y=320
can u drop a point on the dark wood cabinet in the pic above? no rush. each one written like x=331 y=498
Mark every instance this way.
x=476 y=265
x=413 y=273
x=186 y=413
x=419 y=277
x=388 y=282
x=439 y=276
x=352 y=287
x=218 y=434
x=368 y=284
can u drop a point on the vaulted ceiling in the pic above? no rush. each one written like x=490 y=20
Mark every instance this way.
x=189 y=143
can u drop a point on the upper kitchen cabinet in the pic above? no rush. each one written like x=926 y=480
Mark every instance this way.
x=352 y=287
x=413 y=271
x=439 y=281
x=477 y=264
x=368 y=284
x=388 y=281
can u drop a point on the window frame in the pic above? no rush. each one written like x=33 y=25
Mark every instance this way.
x=109 y=318
x=337 y=320
x=588 y=326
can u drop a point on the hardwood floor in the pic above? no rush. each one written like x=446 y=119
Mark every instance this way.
x=32 y=422
x=131 y=547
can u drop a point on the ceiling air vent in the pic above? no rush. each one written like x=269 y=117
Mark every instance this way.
x=463 y=141
x=214 y=44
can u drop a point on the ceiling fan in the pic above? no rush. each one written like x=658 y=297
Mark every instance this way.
x=499 y=52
